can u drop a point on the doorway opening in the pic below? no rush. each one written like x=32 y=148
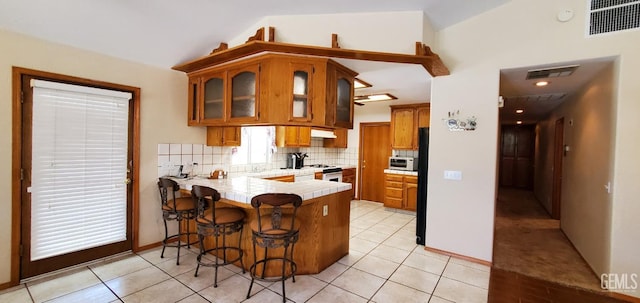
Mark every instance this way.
x=544 y=224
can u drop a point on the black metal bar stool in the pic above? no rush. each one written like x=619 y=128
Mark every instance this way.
x=275 y=227
x=178 y=209
x=216 y=222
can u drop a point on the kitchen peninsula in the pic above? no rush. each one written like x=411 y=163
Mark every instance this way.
x=324 y=216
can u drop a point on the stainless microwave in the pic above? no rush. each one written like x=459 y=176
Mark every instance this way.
x=403 y=163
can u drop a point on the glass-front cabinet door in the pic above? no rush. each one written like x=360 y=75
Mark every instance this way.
x=302 y=75
x=212 y=108
x=244 y=88
x=344 y=101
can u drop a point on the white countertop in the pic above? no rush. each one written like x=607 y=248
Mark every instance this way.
x=287 y=172
x=401 y=172
x=242 y=189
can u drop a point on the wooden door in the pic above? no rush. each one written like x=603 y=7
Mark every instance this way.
x=375 y=149
x=558 y=154
x=402 y=128
x=517 y=156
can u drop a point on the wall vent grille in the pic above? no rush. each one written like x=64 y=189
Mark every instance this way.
x=607 y=16
x=537 y=98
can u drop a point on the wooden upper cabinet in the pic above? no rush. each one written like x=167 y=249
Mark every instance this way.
x=244 y=86
x=212 y=104
x=405 y=121
x=272 y=89
x=402 y=128
x=224 y=136
x=301 y=76
x=293 y=136
x=340 y=96
x=340 y=141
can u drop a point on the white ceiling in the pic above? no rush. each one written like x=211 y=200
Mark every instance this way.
x=538 y=102
x=164 y=33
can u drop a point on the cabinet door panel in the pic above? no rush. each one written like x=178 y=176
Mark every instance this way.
x=302 y=75
x=213 y=103
x=393 y=192
x=192 y=111
x=402 y=128
x=411 y=196
x=244 y=88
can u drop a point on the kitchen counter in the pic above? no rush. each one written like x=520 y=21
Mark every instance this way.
x=242 y=189
x=400 y=172
x=289 y=171
x=323 y=216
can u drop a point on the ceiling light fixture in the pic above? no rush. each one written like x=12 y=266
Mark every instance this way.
x=375 y=97
x=519 y=111
x=357 y=83
x=542 y=83
x=518 y=122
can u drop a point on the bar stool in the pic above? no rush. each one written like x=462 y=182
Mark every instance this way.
x=274 y=229
x=178 y=209
x=216 y=222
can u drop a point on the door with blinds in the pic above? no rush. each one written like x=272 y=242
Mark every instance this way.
x=76 y=154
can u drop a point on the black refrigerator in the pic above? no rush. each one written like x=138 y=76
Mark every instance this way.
x=423 y=168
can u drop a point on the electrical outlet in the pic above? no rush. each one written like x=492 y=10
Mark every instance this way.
x=325 y=210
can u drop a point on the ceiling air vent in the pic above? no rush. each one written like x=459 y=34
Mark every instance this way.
x=553 y=72
x=537 y=98
x=607 y=16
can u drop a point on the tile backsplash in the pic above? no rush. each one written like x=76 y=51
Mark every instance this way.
x=209 y=158
x=404 y=153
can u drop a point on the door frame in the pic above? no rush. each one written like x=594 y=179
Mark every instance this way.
x=558 y=154
x=361 y=151
x=16 y=158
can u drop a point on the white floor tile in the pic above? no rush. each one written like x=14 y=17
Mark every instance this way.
x=16 y=295
x=336 y=295
x=359 y=282
x=415 y=278
x=205 y=277
x=331 y=272
x=119 y=267
x=394 y=292
x=467 y=275
x=471 y=264
x=361 y=245
x=166 y=292
x=300 y=291
x=137 y=281
x=390 y=253
x=351 y=258
x=235 y=290
x=63 y=284
x=376 y=266
x=426 y=263
x=95 y=294
x=460 y=292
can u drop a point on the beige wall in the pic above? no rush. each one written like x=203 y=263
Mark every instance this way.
x=588 y=166
x=163 y=110
x=521 y=33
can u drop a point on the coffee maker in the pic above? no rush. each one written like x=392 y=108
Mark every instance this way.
x=295 y=160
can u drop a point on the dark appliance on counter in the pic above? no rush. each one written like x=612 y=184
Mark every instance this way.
x=423 y=169
x=295 y=160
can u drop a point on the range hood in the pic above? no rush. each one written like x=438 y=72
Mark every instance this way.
x=317 y=133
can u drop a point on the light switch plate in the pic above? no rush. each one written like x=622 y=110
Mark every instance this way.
x=453 y=175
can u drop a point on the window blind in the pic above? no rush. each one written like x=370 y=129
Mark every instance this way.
x=79 y=167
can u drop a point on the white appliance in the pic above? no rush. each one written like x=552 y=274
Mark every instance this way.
x=332 y=174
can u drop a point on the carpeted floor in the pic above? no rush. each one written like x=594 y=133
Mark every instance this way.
x=529 y=242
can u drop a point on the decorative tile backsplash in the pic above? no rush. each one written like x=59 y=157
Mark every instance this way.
x=404 y=153
x=209 y=158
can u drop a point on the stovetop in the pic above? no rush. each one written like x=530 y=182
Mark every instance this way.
x=320 y=165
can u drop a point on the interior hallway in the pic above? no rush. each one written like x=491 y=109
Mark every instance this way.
x=529 y=242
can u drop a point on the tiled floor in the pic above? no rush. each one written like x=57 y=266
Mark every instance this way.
x=383 y=265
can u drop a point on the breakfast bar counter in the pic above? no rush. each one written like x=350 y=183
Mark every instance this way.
x=323 y=217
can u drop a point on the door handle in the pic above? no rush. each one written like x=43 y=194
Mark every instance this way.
x=127 y=181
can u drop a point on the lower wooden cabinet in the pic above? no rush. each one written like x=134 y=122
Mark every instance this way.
x=400 y=191
x=349 y=176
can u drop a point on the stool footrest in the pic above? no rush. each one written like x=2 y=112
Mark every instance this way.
x=219 y=250
x=289 y=265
